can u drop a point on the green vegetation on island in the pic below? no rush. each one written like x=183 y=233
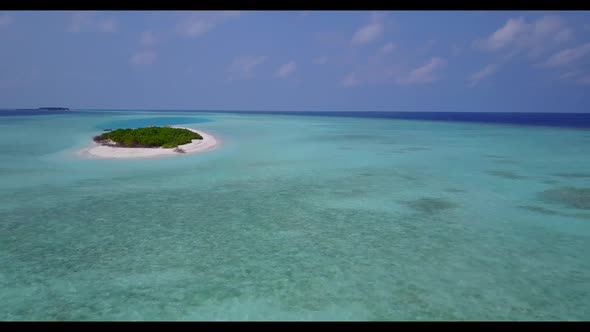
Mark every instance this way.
x=151 y=137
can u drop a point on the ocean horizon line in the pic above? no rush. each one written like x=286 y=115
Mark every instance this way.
x=282 y=111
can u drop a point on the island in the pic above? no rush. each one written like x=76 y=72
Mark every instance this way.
x=53 y=109
x=149 y=142
x=151 y=137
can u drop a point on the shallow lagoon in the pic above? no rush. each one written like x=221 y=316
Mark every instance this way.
x=296 y=218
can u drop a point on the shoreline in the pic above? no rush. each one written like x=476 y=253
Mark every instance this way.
x=96 y=150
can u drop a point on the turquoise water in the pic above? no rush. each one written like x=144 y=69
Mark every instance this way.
x=296 y=218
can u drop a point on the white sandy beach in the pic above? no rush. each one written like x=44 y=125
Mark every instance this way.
x=96 y=150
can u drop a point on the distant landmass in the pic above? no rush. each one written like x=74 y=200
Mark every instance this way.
x=54 y=108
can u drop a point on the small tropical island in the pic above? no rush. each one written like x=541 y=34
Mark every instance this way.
x=53 y=109
x=151 y=137
x=149 y=142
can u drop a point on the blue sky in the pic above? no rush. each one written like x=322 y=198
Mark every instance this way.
x=288 y=60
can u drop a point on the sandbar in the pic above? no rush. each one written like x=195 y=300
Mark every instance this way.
x=96 y=150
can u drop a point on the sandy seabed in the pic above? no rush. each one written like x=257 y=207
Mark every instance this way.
x=97 y=150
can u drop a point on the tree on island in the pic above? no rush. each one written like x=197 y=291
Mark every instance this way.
x=152 y=137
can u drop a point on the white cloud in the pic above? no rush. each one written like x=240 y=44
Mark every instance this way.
x=534 y=37
x=577 y=76
x=388 y=48
x=568 y=56
x=483 y=73
x=571 y=74
x=381 y=56
x=505 y=35
x=148 y=38
x=144 y=58
x=370 y=32
x=87 y=21
x=425 y=74
x=367 y=34
x=322 y=60
x=287 y=69
x=5 y=20
x=244 y=66
x=350 y=80
x=199 y=23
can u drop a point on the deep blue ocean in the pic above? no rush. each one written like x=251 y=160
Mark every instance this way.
x=571 y=120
